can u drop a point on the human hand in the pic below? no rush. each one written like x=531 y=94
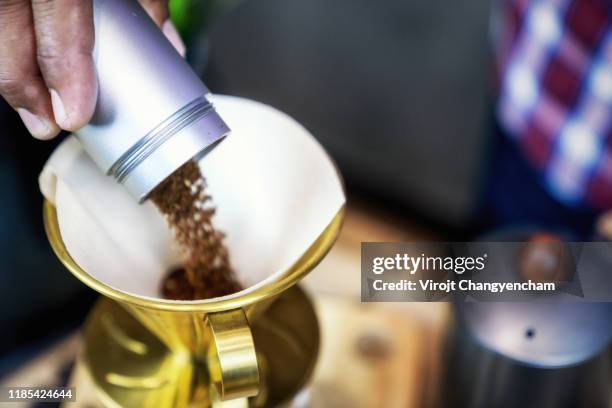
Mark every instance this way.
x=47 y=72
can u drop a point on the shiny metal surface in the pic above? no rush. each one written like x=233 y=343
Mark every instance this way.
x=130 y=366
x=477 y=376
x=546 y=335
x=190 y=113
x=511 y=354
x=216 y=331
x=143 y=127
x=232 y=362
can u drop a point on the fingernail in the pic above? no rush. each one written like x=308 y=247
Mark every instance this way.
x=38 y=127
x=173 y=36
x=59 y=110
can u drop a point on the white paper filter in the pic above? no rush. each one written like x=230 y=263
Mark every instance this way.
x=274 y=187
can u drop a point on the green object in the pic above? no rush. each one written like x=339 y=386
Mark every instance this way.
x=195 y=16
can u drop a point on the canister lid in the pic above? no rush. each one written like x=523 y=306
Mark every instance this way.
x=188 y=134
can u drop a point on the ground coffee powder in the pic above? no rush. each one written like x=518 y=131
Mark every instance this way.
x=207 y=272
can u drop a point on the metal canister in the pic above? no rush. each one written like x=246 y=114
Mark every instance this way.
x=152 y=114
x=545 y=355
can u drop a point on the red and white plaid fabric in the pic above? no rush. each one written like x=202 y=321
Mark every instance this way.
x=555 y=96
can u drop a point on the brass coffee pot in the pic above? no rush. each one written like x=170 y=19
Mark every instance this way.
x=162 y=354
x=257 y=346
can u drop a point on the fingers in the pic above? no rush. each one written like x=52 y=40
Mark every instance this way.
x=158 y=10
x=65 y=38
x=173 y=36
x=46 y=67
x=20 y=81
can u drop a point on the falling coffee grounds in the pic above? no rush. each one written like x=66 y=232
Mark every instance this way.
x=207 y=272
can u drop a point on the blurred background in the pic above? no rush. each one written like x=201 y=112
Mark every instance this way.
x=405 y=95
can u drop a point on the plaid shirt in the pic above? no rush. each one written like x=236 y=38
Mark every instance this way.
x=555 y=71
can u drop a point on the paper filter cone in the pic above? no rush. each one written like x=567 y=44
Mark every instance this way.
x=274 y=187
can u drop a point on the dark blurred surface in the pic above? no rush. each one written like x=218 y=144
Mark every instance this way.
x=40 y=298
x=396 y=90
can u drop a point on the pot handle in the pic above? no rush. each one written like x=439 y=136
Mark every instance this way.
x=232 y=360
